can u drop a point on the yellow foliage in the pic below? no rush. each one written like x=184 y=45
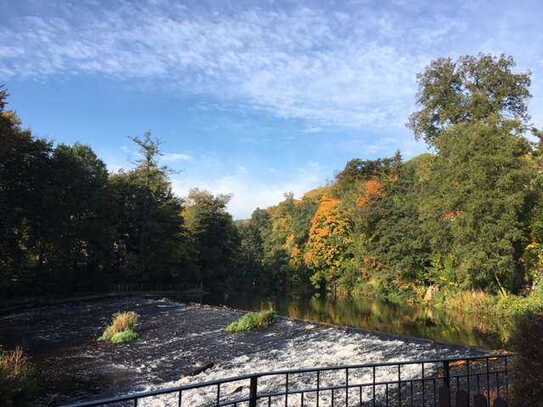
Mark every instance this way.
x=317 y=193
x=372 y=189
x=328 y=236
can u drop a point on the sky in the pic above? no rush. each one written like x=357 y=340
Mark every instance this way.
x=253 y=98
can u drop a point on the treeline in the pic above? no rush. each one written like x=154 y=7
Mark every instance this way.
x=68 y=225
x=467 y=215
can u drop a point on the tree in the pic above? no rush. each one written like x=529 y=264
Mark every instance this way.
x=252 y=234
x=75 y=232
x=467 y=90
x=288 y=234
x=477 y=200
x=215 y=237
x=152 y=246
x=328 y=243
x=24 y=169
x=396 y=237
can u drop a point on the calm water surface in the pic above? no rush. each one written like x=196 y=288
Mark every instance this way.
x=371 y=314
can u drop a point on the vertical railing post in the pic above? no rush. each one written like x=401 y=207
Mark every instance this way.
x=347 y=387
x=506 y=380
x=399 y=385
x=469 y=383
x=447 y=379
x=447 y=371
x=286 y=391
x=318 y=386
x=253 y=391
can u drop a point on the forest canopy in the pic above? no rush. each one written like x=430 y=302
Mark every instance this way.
x=467 y=215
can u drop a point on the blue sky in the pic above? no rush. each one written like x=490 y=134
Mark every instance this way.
x=253 y=98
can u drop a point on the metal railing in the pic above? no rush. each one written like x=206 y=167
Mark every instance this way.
x=398 y=384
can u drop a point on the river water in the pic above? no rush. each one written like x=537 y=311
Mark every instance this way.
x=184 y=343
x=371 y=314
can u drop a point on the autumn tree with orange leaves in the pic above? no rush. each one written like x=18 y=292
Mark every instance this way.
x=328 y=243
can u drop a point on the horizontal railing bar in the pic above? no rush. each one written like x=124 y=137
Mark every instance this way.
x=159 y=392
x=356 y=386
x=232 y=402
x=385 y=364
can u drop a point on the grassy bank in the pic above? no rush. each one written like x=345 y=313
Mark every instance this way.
x=18 y=379
x=496 y=313
x=492 y=314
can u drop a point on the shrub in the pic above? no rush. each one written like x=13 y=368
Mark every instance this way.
x=252 y=321
x=126 y=336
x=527 y=344
x=18 y=380
x=121 y=323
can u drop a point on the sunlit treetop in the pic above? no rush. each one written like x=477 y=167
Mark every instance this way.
x=469 y=89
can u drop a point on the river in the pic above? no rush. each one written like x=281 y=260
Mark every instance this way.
x=421 y=321
x=183 y=343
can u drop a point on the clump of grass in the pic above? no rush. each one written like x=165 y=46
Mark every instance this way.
x=252 y=321
x=18 y=380
x=124 y=337
x=122 y=328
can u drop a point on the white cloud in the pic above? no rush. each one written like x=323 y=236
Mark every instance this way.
x=173 y=157
x=350 y=68
x=248 y=192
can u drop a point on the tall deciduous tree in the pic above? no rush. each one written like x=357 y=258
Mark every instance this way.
x=477 y=201
x=470 y=89
x=215 y=237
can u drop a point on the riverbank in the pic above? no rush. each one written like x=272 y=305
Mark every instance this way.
x=182 y=344
x=493 y=315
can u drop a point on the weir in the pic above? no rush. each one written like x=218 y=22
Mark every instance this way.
x=455 y=382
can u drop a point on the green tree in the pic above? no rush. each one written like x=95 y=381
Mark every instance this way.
x=252 y=234
x=24 y=170
x=215 y=238
x=477 y=201
x=396 y=237
x=152 y=246
x=470 y=89
x=74 y=233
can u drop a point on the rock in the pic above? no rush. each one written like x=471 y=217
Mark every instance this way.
x=200 y=368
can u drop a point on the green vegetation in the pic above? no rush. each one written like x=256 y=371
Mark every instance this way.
x=459 y=226
x=528 y=361
x=122 y=328
x=70 y=226
x=18 y=379
x=496 y=314
x=252 y=321
x=126 y=336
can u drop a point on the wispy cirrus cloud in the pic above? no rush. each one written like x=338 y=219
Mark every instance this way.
x=344 y=71
x=175 y=157
x=352 y=66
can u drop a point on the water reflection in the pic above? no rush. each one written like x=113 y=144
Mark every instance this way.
x=375 y=315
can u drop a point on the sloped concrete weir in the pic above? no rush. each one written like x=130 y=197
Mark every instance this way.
x=178 y=341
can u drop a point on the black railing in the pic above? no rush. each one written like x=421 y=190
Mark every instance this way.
x=411 y=383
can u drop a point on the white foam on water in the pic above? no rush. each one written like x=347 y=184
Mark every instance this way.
x=316 y=348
